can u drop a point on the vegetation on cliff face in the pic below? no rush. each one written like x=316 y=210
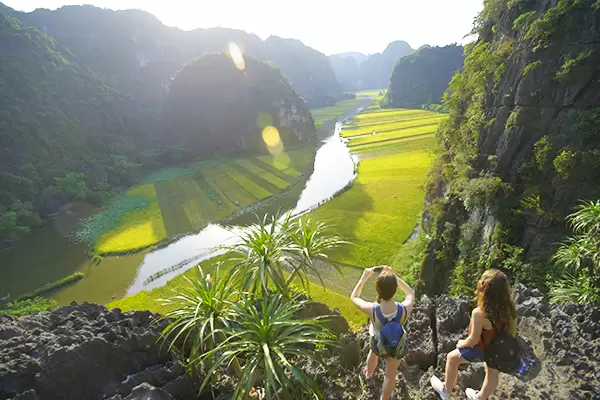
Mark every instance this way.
x=423 y=77
x=63 y=133
x=521 y=146
x=79 y=115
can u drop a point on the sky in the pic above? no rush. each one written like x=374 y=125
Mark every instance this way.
x=330 y=26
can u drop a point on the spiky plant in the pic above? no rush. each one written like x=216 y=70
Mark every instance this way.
x=280 y=244
x=200 y=311
x=579 y=257
x=270 y=339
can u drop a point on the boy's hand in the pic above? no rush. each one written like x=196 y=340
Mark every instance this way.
x=460 y=344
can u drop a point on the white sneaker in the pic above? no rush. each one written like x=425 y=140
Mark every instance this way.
x=472 y=394
x=438 y=386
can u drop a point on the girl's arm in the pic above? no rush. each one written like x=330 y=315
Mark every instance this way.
x=477 y=318
x=409 y=300
x=362 y=305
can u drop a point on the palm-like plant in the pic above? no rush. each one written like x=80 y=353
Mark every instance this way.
x=280 y=244
x=270 y=339
x=199 y=312
x=579 y=256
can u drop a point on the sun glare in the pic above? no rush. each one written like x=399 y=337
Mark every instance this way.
x=237 y=56
x=271 y=138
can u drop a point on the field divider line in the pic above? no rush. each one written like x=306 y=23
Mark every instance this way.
x=398 y=140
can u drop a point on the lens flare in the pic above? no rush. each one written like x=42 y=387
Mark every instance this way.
x=272 y=139
x=237 y=56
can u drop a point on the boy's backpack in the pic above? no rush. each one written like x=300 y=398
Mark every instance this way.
x=503 y=352
x=392 y=341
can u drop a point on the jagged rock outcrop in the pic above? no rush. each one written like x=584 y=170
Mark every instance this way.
x=88 y=352
x=563 y=342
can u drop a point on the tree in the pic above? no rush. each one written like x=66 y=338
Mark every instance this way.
x=248 y=317
x=579 y=258
x=278 y=250
x=271 y=339
x=73 y=185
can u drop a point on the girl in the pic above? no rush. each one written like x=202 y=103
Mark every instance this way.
x=386 y=286
x=495 y=310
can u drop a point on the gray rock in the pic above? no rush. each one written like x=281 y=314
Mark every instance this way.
x=146 y=391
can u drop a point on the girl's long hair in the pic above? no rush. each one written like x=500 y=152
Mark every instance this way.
x=494 y=298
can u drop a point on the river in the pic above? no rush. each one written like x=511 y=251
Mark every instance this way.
x=47 y=254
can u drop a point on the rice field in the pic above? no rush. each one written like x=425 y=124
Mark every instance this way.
x=138 y=229
x=322 y=115
x=185 y=199
x=380 y=210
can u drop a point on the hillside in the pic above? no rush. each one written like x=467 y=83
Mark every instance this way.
x=375 y=72
x=308 y=70
x=356 y=71
x=214 y=108
x=64 y=133
x=521 y=146
x=423 y=77
x=139 y=55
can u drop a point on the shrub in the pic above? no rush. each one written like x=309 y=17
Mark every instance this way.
x=481 y=192
x=579 y=258
x=20 y=308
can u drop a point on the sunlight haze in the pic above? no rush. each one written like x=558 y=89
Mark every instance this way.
x=329 y=26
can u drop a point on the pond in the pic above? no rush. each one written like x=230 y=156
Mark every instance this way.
x=47 y=254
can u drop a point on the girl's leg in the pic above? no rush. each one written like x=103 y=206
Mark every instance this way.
x=389 y=383
x=490 y=382
x=453 y=360
x=372 y=359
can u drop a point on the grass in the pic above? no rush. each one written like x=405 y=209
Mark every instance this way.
x=152 y=299
x=268 y=176
x=185 y=199
x=323 y=115
x=250 y=186
x=74 y=277
x=138 y=229
x=395 y=134
x=380 y=210
x=289 y=163
x=368 y=127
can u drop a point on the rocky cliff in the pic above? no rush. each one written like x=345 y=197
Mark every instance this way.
x=521 y=146
x=87 y=352
x=423 y=77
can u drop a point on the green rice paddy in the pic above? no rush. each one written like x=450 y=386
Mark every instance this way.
x=322 y=115
x=377 y=213
x=185 y=199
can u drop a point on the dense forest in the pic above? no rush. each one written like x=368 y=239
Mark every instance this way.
x=355 y=71
x=217 y=109
x=521 y=149
x=84 y=95
x=423 y=77
x=64 y=133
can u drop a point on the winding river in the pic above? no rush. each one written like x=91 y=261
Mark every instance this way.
x=46 y=254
